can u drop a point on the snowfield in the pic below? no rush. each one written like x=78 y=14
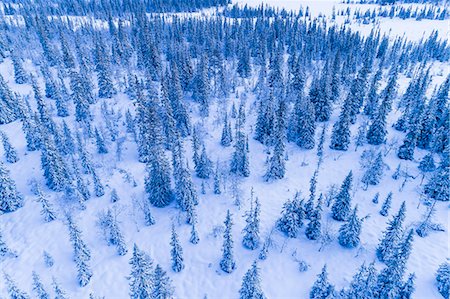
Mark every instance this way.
x=26 y=233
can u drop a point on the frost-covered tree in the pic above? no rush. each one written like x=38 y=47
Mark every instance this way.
x=407 y=289
x=427 y=164
x=240 y=161
x=100 y=142
x=392 y=236
x=59 y=292
x=82 y=254
x=363 y=283
x=217 y=179
x=176 y=252
x=10 y=152
x=251 y=284
x=38 y=287
x=277 y=168
x=13 y=290
x=251 y=238
x=10 y=198
x=47 y=210
x=322 y=287
x=291 y=218
x=141 y=276
x=350 y=231
x=157 y=183
x=342 y=205
x=386 y=205
x=113 y=234
x=340 y=136
x=204 y=166
x=55 y=169
x=162 y=285
x=99 y=190
x=374 y=172
x=314 y=228
x=227 y=263
x=227 y=135
x=443 y=279
x=20 y=76
x=438 y=187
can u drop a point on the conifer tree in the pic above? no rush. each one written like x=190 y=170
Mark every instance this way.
x=202 y=87
x=157 y=183
x=239 y=161
x=277 y=167
x=427 y=164
x=322 y=287
x=314 y=227
x=113 y=234
x=443 y=279
x=204 y=166
x=20 y=76
x=141 y=277
x=390 y=279
x=176 y=99
x=38 y=287
x=46 y=208
x=291 y=218
x=376 y=197
x=55 y=170
x=100 y=141
x=251 y=238
x=194 y=238
x=251 y=284
x=392 y=236
x=82 y=254
x=377 y=132
x=342 y=205
x=340 y=136
x=227 y=263
x=13 y=290
x=350 y=231
x=99 y=190
x=227 y=136
x=149 y=220
x=10 y=198
x=386 y=205
x=374 y=172
x=9 y=150
x=59 y=292
x=176 y=252
x=363 y=283
x=162 y=285
x=406 y=150
x=302 y=124
x=407 y=289
x=217 y=189
x=438 y=187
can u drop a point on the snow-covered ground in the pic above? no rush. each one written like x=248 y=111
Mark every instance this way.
x=26 y=233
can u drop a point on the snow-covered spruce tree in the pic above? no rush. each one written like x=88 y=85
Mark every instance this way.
x=162 y=285
x=59 y=292
x=342 y=205
x=227 y=263
x=443 y=279
x=80 y=97
x=372 y=95
x=10 y=152
x=244 y=66
x=302 y=124
x=374 y=172
x=217 y=179
x=8 y=103
x=100 y=142
x=180 y=113
x=4 y=249
x=113 y=233
x=363 y=283
x=389 y=281
x=265 y=121
x=141 y=276
x=227 y=135
x=105 y=84
x=176 y=252
x=251 y=284
x=69 y=143
x=407 y=289
x=47 y=210
x=406 y=150
x=38 y=287
x=291 y=218
x=314 y=228
x=277 y=168
x=13 y=290
x=99 y=190
x=157 y=183
x=350 y=231
x=204 y=166
x=10 y=198
x=438 y=187
x=185 y=193
x=148 y=217
x=392 y=236
x=427 y=164
x=239 y=161
x=20 y=76
x=82 y=254
x=166 y=113
x=340 y=136
x=251 y=238
x=360 y=138
x=201 y=92
x=322 y=287
x=386 y=205
x=377 y=132
x=320 y=146
x=55 y=170
x=319 y=95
